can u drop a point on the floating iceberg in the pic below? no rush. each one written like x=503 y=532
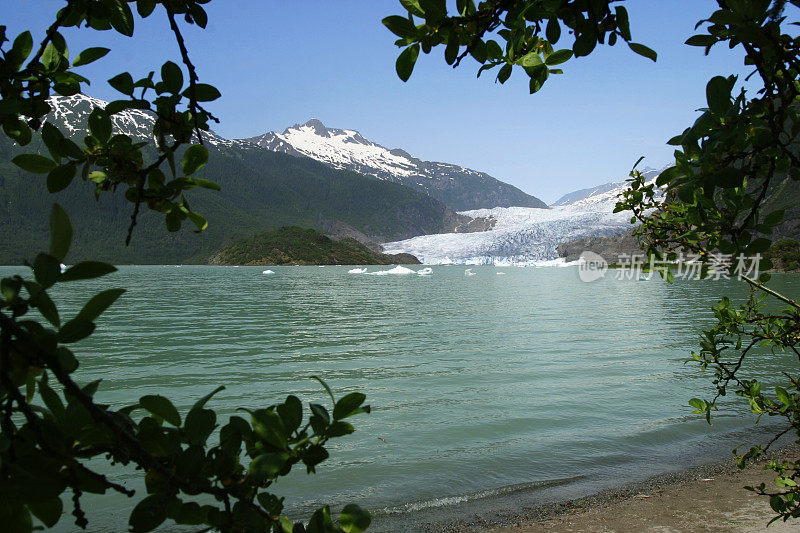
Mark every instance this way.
x=396 y=271
x=357 y=271
x=469 y=272
x=425 y=271
x=501 y=273
x=268 y=272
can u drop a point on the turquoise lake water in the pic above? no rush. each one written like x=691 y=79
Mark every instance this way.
x=530 y=383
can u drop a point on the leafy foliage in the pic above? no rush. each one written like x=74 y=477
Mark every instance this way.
x=739 y=152
x=530 y=30
x=293 y=245
x=197 y=471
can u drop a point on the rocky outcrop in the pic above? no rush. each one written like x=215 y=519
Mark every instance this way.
x=610 y=248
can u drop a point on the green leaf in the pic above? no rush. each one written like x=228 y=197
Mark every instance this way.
x=206 y=184
x=199 y=424
x=47 y=511
x=553 y=31
x=90 y=55
x=400 y=26
x=14 y=516
x=199 y=221
x=267 y=465
x=120 y=16
x=148 y=513
x=339 y=429
x=718 y=94
x=145 y=7
x=643 y=50
x=269 y=426
x=100 y=125
x=324 y=386
x=291 y=413
x=349 y=403
x=774 y=218
x=701 y=40
x=199 y=404
x=320 y=521
x=22 y=47
x=87 y=270
x=99 y=303
x=194 y=159
x=47 y=308
x=783 y=396
x=75 y=330
x=60 y=177
x=161 y=406
x=203 y=92
x=46 y=269
x=354 y=519
x=558 y=57
x=698 y=404
x=531 y=59
x=34 y=163
x=123 y=83
x=60 y=233
x=584 y=44
x=172 y=76
x=406 y=61
x=758 y=246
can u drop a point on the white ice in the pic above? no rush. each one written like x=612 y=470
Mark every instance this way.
x=396 y=271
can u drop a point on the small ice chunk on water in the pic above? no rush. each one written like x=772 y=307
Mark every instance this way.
x=396 y=271
x=501 y=273
x=357 y=271
x=268 y=272
x=469 y=272
x=427 y=271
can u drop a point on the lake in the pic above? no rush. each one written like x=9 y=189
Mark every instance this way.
x=487 y=391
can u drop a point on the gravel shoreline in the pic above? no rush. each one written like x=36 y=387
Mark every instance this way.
x=706 y=498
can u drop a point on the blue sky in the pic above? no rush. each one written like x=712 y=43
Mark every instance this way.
x=278 y=63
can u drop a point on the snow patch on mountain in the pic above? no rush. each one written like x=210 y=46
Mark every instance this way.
x=72 y=113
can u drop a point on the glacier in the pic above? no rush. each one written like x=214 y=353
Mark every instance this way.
x=522 y=235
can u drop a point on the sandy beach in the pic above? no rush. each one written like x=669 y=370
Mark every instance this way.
x=704 y=499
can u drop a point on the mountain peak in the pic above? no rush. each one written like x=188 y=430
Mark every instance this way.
x=316 y=124
x=458 y=187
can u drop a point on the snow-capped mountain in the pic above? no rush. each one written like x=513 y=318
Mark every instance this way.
x=458 y=187
x=72 y=112
x=524 y=235
x=600 y=195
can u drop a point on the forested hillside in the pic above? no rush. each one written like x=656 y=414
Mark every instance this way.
x=261 y=190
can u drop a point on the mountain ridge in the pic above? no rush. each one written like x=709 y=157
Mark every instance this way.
x=261 y=191
x=459 y=187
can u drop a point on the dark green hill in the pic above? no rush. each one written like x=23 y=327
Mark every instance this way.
x=293 y=245
x=261 y=190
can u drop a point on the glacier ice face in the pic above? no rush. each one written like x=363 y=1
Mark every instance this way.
x=521 y=235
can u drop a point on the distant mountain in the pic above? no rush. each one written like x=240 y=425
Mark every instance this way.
x=458 y=187
x=261 y=190
x=601 y=194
